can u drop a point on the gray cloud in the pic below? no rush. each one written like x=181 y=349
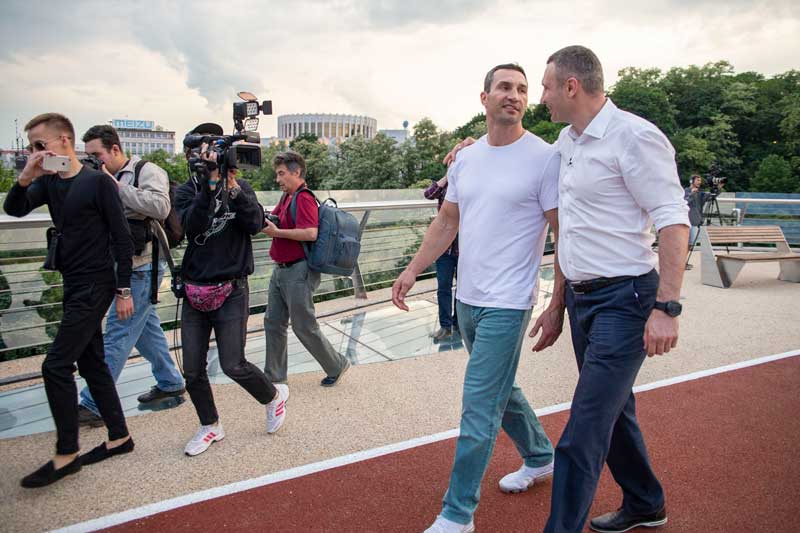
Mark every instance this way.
x=399 y=13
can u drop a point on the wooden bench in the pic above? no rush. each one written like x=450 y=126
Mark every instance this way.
x=721 y=269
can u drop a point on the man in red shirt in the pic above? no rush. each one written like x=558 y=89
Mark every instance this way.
x=292 y=286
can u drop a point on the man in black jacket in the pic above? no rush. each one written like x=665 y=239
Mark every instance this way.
x=85 y=207
x=219 y=220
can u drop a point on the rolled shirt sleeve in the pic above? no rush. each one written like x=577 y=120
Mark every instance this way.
x=651 y=175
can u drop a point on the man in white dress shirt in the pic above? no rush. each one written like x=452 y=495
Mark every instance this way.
x=618 y=177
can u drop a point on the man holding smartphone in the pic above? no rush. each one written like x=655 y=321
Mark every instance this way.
x=85 y=207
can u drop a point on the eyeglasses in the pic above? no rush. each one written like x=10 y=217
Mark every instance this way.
x=38 y=146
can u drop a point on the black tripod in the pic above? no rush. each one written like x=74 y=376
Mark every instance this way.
x=710 y=209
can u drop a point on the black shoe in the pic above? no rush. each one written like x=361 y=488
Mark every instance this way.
x=48 y=474
x=87 y=418
x=622 y=520
x=157 y=394
x=101 y=453
x=330 y=381
x=441 y=334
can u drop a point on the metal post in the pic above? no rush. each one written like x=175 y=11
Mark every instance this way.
x=358 y=281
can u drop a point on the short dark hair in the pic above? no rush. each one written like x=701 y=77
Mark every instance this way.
x=487 y=81
x=107 y=134
x=53 y=120
x=582 y=64
x=291 y=160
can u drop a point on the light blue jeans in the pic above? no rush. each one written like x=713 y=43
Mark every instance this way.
x=142 y=330
x=492 y=399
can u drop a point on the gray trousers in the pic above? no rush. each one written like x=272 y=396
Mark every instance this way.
x=291 y=292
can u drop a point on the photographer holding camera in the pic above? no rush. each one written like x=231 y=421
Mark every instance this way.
x=219 y=217
x=144 y=191
x=695 y=199
x=292 y=286
x=90 y=224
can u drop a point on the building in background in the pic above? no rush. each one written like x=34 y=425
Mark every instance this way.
x=141 y=137
x=399 y=136
x=328 y=128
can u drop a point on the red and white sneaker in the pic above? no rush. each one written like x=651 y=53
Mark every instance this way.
x=206 y=436
x=276 y=409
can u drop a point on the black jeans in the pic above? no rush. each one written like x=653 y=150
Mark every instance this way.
x=608 y=337
x=80 y=340
x=230 y=328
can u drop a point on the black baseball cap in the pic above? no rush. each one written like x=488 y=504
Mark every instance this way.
x=208 y=128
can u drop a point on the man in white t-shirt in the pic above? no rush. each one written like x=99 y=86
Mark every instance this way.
x=503 y=191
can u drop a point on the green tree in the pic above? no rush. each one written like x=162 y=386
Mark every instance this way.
x=367 y=164
x=263 y=178
x=432 y=145
x=174 y=164
x=774 y=174
x=320 y=166
x=639 y=92
x=7 y=178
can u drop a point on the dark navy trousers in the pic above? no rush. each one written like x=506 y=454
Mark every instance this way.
x=445 y=272
x=608 y=337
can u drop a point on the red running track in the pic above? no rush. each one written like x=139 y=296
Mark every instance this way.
x=724 y=446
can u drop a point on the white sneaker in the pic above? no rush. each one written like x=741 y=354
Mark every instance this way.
x=525 y=477
x=276 y=409
x=204 y=438
x=443 y=525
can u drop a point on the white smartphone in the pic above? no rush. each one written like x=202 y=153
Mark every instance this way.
x=55 y=163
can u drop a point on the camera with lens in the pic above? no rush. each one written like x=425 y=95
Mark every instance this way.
x=92 y=162
x=714 y=181
x=272 y=218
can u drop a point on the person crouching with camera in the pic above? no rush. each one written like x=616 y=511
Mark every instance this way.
x=219 y=220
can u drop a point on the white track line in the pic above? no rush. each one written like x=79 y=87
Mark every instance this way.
x=239 y=486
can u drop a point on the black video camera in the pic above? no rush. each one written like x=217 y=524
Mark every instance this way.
x=92 y=162
x=714 y=181
x=242 y=155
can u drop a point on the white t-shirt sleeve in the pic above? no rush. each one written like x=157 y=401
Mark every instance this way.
x=548 y=186
x=452 y=181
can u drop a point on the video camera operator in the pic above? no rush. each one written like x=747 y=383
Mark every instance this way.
x=695 y=199
x=220 y=218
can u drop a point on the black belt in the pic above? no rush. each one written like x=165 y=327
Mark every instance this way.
x=590 y=285
x=290 y=263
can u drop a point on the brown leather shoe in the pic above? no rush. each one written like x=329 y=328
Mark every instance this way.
x=441 y=334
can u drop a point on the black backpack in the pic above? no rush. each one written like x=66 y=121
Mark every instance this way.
x=338 y=239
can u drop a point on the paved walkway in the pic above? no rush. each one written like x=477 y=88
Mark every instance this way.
x=394 y=402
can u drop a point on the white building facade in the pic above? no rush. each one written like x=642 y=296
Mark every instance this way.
x=327 y=127
x=140 y=137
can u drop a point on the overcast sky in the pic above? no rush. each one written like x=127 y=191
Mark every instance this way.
x=181 y=63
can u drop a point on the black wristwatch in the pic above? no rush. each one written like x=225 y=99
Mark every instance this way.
x=672 y=308
x=124 y=293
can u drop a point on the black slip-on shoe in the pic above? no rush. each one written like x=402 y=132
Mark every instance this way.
x=330 y=381
x=101 y=453
x=87 y=418
x=157 y=394
x=48 y=474
x=622 y=520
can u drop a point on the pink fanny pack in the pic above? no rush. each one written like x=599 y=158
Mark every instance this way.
x=209 y=297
